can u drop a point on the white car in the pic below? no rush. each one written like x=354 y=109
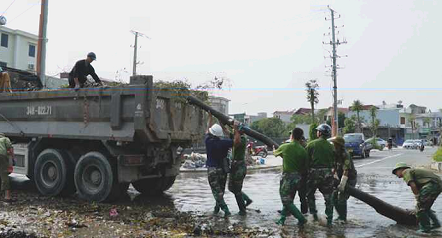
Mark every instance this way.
x=379 y=141
x=410 y=144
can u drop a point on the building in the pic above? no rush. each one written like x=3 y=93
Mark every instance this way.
x=220 y=104
x=18 y=49
x=285 y=116
x=248 y=119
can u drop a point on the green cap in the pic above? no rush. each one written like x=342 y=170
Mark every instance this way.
x=338 y=140
x=400 y=165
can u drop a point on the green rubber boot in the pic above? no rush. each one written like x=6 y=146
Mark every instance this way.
x=424 y=222
x=297 y=214
x=281 y=221
x=241 y=204
x=433 y=217
x=216 y=209
x=225 y=208
x=342 y=211
x=247 y=200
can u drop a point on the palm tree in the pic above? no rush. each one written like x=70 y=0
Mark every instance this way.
x=312 y=95
x=374 y=121
x=357 y=107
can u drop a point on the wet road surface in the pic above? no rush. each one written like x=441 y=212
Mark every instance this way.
x=191 y=192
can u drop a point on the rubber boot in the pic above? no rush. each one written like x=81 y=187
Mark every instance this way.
x=281 y=221
x=225 y=208
x=424 y=222
x=304 y=206
x=342 y=211
x=216 y=209
x=297 y=214
x=433 y=217
x=246 y=199
x=312 y=209
x=241 y=204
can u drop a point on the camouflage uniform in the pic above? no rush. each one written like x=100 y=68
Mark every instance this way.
x=217 y=180
x=343 y=162
x=5 y=145
x=320 y=162
x=430 y=186
x=238 y=172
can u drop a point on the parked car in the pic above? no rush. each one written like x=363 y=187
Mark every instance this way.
x=379 y=141
x=356 y=145
x=410 y=144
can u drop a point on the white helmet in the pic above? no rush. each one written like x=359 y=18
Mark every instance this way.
x=216 y=130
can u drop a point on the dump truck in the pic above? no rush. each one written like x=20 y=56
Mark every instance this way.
x=98 y=141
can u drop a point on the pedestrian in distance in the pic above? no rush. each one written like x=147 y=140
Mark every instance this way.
x=345 y=173
x=5 y=81
x=238 y=169
x=294 y=159
x=426 y=187
x=83 y=68
x=320 y=176
x=217 y=148
x=6 y=150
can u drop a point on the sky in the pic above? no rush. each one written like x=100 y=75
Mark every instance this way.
x=267 y=50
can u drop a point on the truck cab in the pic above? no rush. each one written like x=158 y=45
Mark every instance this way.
x=356 y=146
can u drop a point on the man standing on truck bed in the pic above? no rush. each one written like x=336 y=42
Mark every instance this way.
x=217 y=149
x=5 y=81
x=6 y=149
x=83 y=68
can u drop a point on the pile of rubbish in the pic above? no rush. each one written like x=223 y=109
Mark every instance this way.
x=196 y=160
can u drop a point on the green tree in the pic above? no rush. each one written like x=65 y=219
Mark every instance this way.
x=312 y=95
x=341 y=119
x=312 y=132
x=271 y=127
x=412 y=120
x=350 y=125
x=374 y=121
x=357 y=107
x=427 y=121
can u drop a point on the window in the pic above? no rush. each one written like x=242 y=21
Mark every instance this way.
x=5 y=39
x=32 y=51
x=402 y=120
x=3 y=64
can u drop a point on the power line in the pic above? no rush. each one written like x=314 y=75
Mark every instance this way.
x=19 y=15
x=8 y=7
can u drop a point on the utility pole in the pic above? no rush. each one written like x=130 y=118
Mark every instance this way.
x=137 y=34
x=334 y=43
x=41 y=48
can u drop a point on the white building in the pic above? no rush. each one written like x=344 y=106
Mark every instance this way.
x=285 y=116
x=220 y=104
x=18 y=49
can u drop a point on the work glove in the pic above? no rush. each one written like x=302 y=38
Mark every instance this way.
x=77 y=87
x=341 y=186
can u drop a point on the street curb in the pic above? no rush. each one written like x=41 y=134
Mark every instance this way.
x=436 y=166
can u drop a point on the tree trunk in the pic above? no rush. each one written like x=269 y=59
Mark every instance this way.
x=312 y=104
x=401 y=216
x=228 y=121
x=359 y=122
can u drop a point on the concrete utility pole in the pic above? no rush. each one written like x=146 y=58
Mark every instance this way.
x=41 y=48
x=334 y=43
x=137 y=34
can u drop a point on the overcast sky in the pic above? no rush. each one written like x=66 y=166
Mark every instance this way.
x=268 y=49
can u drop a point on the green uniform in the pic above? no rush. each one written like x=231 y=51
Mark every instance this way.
x=430 y=186
x=294 y=164
x=320 y=163
x=238 y=172
x=5 y=144
x=343 y=162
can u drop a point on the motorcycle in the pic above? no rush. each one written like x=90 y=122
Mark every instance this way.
x=257 y=150
x=421 y=146
x=390 y=144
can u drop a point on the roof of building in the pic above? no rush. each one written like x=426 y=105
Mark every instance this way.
x=285 y=112
x=19 y=32
x=303 y=111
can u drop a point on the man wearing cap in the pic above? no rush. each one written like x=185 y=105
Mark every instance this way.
x=345 y=172
x=83 y=68
x=6 y=150
x=294 y=159
x=426 y=187
x=217 y=149
x=5 y=81
x=320 y=163
x=238 y=169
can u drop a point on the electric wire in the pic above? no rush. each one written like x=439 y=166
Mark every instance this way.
x=8 y=7
x=19 y=15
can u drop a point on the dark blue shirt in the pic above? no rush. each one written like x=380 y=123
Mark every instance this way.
x=216 y=149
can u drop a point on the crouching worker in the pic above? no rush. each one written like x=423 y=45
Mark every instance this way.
x=6 y=150
x=426 y=187
x=238 y=170
x=294 y=159
x=217 y=149
x=345 y=172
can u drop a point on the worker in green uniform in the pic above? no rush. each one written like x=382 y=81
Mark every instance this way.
x=320 y=163
x=294 y=158
x=238 y=169
x=6 y=150
x=345 y=172
x=426 y=187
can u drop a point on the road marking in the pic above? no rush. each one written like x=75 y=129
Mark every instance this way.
x=379 y=160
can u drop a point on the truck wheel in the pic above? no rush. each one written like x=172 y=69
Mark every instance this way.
x=154 y=185
x=94 y=178
x=53 y=173
x=363 y=154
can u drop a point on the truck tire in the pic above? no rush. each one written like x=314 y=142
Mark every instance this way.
x=95 y=179
x=53 y=173
x=154 y=186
